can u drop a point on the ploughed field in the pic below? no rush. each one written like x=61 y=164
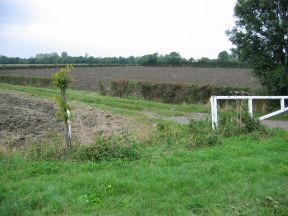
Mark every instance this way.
x=88 y=78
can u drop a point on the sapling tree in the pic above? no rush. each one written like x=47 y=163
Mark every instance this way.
x=62 y=80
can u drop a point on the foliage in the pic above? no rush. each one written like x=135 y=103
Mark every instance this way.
x=223 y=56
x=62 y=114
x=171 y=92
x=121 y=88
x=48 y=60
x=61 y=79
x=261 y=37
x=101 y=88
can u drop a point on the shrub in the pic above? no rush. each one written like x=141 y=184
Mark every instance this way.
x=101 y=88
x=121 y=88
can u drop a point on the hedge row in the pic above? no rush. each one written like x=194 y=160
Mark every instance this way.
x=172 y=92
x=23 y=80
x=176 y=93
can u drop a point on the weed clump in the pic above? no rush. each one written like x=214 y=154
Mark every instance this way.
x=103 y=148
x=107 y=148
x=202 y=134
x=229 y=125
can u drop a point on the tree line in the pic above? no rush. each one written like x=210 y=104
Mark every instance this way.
x=155 y=59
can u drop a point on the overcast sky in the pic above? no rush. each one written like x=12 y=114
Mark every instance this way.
x=195 y=28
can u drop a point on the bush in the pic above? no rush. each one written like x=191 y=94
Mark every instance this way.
x=101 y=88
x=121 y=88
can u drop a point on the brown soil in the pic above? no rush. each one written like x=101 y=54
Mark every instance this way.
x=88 y=78
x=23 y=117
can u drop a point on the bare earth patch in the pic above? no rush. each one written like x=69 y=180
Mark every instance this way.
x=23 y=117
x=88 y=78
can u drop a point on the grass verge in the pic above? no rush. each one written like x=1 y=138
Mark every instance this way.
x=243 y=176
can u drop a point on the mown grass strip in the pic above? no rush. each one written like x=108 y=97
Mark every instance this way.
x=118 y=105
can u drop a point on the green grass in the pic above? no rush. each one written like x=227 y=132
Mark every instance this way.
x=173 y=171
x=117 y=105
x=234 y=178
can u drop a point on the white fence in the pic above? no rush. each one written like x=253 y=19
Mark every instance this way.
x=214 y=106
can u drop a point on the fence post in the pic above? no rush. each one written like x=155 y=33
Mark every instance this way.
x=250 y=106
x=214 y=112
x=283 y=104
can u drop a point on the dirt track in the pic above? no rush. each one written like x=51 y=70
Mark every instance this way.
x=23 y=117
x=88 y=78
x=276 y=124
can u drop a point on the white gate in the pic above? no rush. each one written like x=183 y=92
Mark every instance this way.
x=214 y=112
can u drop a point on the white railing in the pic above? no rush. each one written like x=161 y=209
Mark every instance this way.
x=214 y=106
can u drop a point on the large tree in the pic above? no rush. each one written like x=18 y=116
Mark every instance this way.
x=261 y=38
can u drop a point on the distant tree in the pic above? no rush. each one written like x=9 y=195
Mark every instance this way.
x=174 y=58
x=151 y=59
x=64 y=54
x=62 y=80
x=191 y=60
x=204 y=60
x=261 y=38
x=131 y=60
x=223 y=56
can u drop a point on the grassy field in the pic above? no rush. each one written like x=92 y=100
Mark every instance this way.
x=238 y=177
x=173 y=171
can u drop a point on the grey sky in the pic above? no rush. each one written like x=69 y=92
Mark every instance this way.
x=115 y=28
